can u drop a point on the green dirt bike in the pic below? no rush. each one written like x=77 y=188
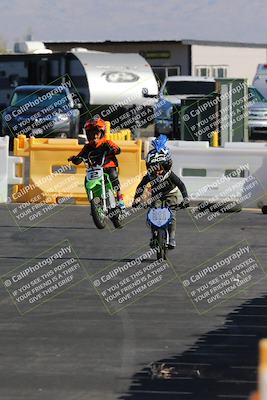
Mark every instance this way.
x=101 y=194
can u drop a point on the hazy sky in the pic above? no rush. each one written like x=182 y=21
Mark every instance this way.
x=91 y=20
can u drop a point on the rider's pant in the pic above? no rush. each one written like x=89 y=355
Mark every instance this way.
x=172 y=202
x=113 y=176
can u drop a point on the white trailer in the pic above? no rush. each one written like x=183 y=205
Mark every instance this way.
x=106 y=82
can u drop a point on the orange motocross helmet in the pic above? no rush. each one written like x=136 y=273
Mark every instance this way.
x=93 y=126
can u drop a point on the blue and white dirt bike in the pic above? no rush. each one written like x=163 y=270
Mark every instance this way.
x=159 y=218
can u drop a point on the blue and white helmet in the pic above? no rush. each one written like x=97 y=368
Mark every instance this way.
x=155 y=157
x=159 y=155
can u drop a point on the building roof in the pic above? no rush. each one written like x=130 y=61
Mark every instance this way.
x=182 y=42
x=222 y=43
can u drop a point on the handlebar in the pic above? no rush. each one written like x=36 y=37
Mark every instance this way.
x=179 y=206
x=89 y=160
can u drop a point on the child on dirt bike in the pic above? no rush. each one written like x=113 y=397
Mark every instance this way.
x=95 y=130
x=164 y=184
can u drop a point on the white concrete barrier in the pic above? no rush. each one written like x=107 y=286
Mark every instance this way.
x=188 y=144
x=208 y=171
x=7 y=169
x=245 y=145
x=236 y=171
x=176 y=143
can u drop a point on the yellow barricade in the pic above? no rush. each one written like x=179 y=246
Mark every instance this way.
x=123 y=134
x=52 y=179
x=21 y=143
x=130 y=167
x=215 y=139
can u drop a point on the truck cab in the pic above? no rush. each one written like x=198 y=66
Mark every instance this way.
x=173 y=91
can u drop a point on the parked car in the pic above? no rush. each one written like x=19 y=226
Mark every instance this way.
x=257 y=114
x=41 y=111
x=260 y=79
x=174 y=89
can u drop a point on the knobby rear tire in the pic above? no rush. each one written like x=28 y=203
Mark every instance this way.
x=114 y=211
x=114 y=216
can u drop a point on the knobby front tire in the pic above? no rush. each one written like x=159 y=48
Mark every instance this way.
x=98 y=214
x=161 y=239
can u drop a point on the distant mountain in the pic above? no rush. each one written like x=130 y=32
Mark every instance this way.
x=91 y=20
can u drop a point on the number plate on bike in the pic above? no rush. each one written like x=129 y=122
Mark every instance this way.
x=159 y=217
x=94 y=173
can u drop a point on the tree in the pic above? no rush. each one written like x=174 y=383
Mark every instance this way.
x=3 y=48
x=28 y=35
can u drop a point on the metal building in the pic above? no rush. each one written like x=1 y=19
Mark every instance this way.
x=185 y=57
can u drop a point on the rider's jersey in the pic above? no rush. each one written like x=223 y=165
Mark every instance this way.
x=161 y=188
x=103 y=145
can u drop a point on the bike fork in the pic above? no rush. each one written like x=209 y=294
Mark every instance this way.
x=167 y=237
x=155 y=235
x=104 y=195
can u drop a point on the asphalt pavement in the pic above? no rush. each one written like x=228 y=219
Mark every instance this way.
x=72 y=348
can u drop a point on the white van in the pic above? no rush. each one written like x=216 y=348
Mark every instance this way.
x=177 y=88
x=260 y=79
